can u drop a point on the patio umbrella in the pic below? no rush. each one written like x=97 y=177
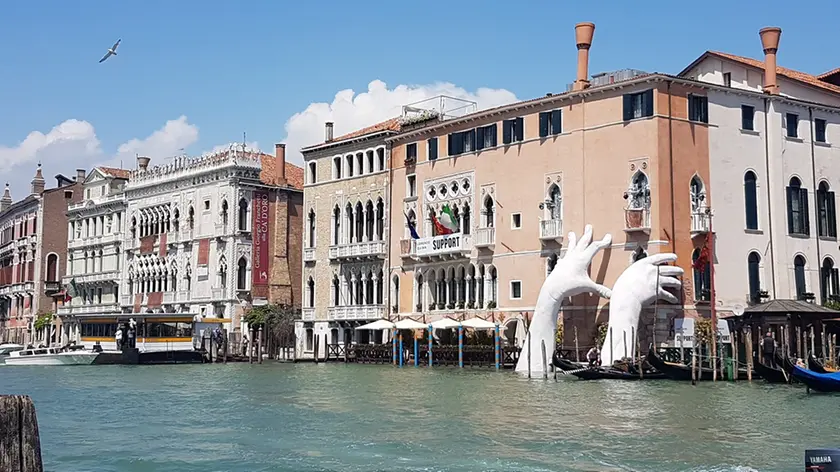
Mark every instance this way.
x=376 y=325
x=478 y=323
x=445 y=323
x=408 y=323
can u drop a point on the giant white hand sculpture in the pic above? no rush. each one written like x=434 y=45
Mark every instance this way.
x=570 y=277
x=638 y=286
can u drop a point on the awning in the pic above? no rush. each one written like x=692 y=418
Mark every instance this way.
x=377 y=325
x=408 y=323
x=478 y=323
x=445 y=323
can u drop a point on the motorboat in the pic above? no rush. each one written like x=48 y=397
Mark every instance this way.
x=6 y=349
x=72 y=355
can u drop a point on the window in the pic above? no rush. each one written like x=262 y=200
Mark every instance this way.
x=310 y=293
x=336 y=225
x=411 y=152
x=516 y=290
x=799 y=277
x=242 y=274
x=698 y=108
x=380 y=157
x=751 y=200
x=826 y=214
x=52 y=268
x=550 y=123
x=754 y=275
x=469 y=140
x=206 y=205
x=829 y=281
x=336 y=291
x=702 y=277
x=337 y=167
x=370 y=162
x=456 y=144
x=485 y=137
x=727 y=79
x=819 y=130
x=797 y=207
x=311 y=228
x=312 y=173
x=747 y=118
x=243 y=215
x=433 y=148
x=87 y=194
x=348 y=159
x=792 y=125
x=515 y=220
x=513 y=130
x=638 y=105
x=488 y=212
x=410 y=186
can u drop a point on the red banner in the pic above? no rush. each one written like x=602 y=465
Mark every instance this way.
x=147 y=244
x=163 y=249
x=155 y=299
x=203 y=252
x=259 y=263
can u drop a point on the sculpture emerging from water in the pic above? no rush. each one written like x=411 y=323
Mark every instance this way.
x=638 y=286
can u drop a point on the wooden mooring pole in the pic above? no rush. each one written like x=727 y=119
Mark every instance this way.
x=577 y=349
x=20 y=442
x=748 y=352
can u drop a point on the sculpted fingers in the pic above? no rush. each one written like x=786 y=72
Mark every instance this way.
x=668 y=296
x=669 y=282
x=598 y=245
x=670 y=271
x=663 y=258
x=604 y=292
x=572 y=242
x=585 y=239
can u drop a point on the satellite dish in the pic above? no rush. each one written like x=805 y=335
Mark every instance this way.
x=738 y=310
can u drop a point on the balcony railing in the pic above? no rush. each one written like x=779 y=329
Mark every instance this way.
x=88 y=309
x=449 y=245
x=218 y=293
x=309 y=254
x=308 y=314
x=485 y=237
x=408 y=247
x=362 y=250
x=636 y=220
x=701 y=222
x=168 y=298
x=551 y=229
x=95 y=240
x=102 y=276
x=51 y=288
x=361 y=312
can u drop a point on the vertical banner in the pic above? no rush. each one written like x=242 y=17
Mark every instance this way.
x=259 y=263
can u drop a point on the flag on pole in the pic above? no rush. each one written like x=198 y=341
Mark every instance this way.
x=412 y=227
x=439 y=228
x=71 y=291
x=447 y=219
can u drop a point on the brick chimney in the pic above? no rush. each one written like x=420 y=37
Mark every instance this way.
x=6 y=201
x=583 y=39
x=328 y=131
x=770 y=42
x=280 y=160
x=81 y=175
x=143 y=162
x=38 y=182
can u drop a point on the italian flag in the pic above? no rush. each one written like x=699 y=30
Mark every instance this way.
x=448 y=222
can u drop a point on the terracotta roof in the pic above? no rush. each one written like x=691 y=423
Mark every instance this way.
x=294 y=176
x=392 y=124
x=829 y=73
x=270 y=176
x=783 y=71
x=114 y=172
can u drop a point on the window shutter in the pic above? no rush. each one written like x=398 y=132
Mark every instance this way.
x=647 y=102
x=806 y=218
x=789 y=191
x=520 y=129
x=825 y=280
x=822 y=229
x=556 y=122
x=628 y=107
x=433 y=148
x=544 y=124
x=479 y=139
x=493 y=138
x=506 y=131
x=835 y=282
x=692 y=108
x=751 y=204
x=450 y=145
x=705 y=109
x=832 y=215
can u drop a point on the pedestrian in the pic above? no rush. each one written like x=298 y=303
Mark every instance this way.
x=118 y=338
x=768 y=349
x=593 y=355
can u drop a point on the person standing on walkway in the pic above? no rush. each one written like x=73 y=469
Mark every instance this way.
x=118 y=338
x=768 y=349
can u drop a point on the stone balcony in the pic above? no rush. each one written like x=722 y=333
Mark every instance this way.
x=408 y=248
x=99 y=240
x=636 y=220
x=89 y=309
x=551 y=230
x=701 y=222
x=485 y=237
x=93 y=277
x=360 y=312
x=308 y=314
x=362 y=250
x=309 y=254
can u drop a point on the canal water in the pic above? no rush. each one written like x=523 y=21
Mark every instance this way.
x=304 y=417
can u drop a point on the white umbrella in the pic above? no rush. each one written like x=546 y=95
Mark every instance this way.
x=477 y=323
x=445 y=323
x=376 y=325
x=521 y=331
x=408 y=323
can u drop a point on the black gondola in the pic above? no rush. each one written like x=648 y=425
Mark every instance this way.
x=615 y=374
x=817 y=366
x=564 y=364
x=676 y=371
x=771 y=374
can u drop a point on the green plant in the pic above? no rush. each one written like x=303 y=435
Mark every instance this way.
x=703 y=330
x=491 y=305
x=601 y=330
x=43 y=320
x=558 y=336
x=832 y=305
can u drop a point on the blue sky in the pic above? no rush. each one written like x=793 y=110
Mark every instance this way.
x=229 y=67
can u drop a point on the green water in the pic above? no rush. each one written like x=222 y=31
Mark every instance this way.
x=284 y=417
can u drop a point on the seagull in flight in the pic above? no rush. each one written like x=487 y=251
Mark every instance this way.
x=111 y=52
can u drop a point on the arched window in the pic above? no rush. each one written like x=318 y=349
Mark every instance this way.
x=351 y=227
x=336 y=291
x=797 y=208
x=370 y=163
x=702 y=277
x=489 y=212
x=242 y=274
x=639 y=253
x=224 y=214
x=827 y=216
x=799 y=277
x=396 y=302
x=52 y=268
x=349 y=160
x=337 y=167
x=550 y=263
x=336 y=225
x=465 y=219
x=380 y=157
x=494 y=285
x=222 y=272
x=191 y=217
x=751 y=199
x=829 y=281
x=698 y=195
x=639 y=192
x=243 y=215
x=380 y=220
x=420 y=295
x=754 y=274
x=370 y=219
x=310 y=292
x=554 y=203
x=360 y=223
x=380 y=288
x=311 y=223
x=313 y=173
x=360 y=163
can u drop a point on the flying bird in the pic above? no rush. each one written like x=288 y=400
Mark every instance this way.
x=111 y=52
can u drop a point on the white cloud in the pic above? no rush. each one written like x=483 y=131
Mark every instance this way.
x=350 y=111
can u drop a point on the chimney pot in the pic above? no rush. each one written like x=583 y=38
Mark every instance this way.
x=143 y=162
x=583 y=40
x=81 y=174
x=280 y=158
x=770 y=43
x=328 y=131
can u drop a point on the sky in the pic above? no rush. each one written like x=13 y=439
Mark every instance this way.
x=193 y=75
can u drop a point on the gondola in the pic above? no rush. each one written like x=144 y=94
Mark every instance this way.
x=677 y=371
x=601 y=373
x=817 y=366
x=816 y=381
x=771 y=374
x=564 y=364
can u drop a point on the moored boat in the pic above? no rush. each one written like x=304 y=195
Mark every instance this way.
x=816 y=381
x=564 y=364
x=7 y=349
x=818 y=367
x=75 y=355
x=676 y=371
x=601 y=373
x=770 y=374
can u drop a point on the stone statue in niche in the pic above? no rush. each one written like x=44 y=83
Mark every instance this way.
x=638 y=286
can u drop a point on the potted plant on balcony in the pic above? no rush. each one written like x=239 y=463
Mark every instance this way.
x=395 y=309
x=491 y=305
x=451 y=306
x=419 y=307
x=471 y=305
x=461 y=305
